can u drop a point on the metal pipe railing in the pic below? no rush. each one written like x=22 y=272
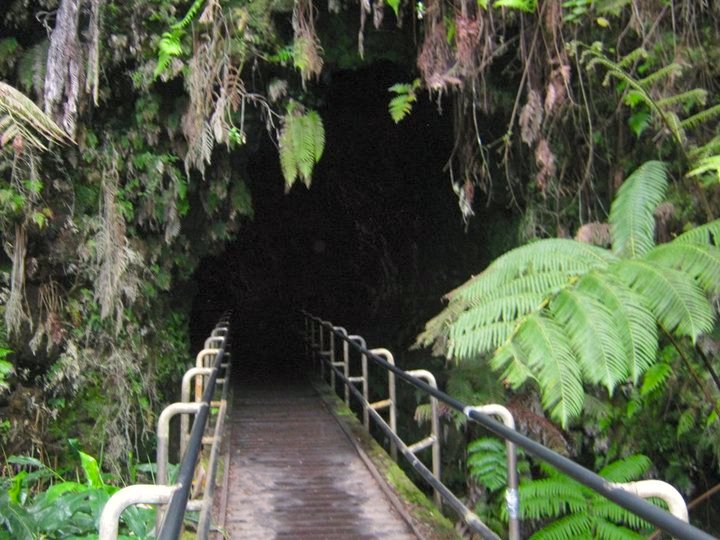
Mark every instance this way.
x=658 y=517
x=433 y=440
x=512 y=500
x=209 y=362
x=171 y=526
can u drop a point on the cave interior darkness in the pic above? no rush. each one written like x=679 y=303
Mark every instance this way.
x=372 y=245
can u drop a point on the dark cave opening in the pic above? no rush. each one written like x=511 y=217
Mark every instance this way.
x=372 y=245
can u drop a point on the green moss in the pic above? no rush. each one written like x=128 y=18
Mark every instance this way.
x=418 y=505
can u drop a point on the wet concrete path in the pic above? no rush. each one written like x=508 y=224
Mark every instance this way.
x=293 y=473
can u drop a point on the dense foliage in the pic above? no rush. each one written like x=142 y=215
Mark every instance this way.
x=126 y=128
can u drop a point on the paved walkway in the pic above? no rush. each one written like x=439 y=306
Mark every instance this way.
x=294 y=474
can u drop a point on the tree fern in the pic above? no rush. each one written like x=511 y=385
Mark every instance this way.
x=301 y=141
x=561 y=314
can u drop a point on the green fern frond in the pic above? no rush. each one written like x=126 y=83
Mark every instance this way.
x=686 y=422
x=607 y=511
x=513 y=361
x=581 y=512
x=709 y=149
x=19 y=116
x=576 y=526
x=634 y=324
x=190 y=15
x=32 y=67
x=626 y=469
x=535 y=283
x=437 y=329
x=170 y=44
x=702 y=263
x=696 y=96
x=675 y=299
x=301 y=142
x=671 y=70
x=401 y=105
x=593 y=334
x=467 y=340
x=509 y=307
x=632 y=223
x=629 y=59
x=710 y=164
x=703 y=234
x=551 y=497
x=655 y=378
x=701 y=118
x=487 y=463
x=551 y=359
x=559 y=258
x=605 y=530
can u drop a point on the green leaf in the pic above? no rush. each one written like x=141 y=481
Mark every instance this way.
x=91 y=469
x=16 y=520
x=655 y=378
x=632 y=223
x=639 y=121
x=529 y=6
x=394 y=4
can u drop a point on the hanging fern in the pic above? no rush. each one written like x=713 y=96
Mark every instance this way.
x=301 y=141
x=22 y=122
x=401 y=105
x=170 y=44
x=562 y=314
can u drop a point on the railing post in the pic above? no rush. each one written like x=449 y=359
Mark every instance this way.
x=344 y=362
x=390 y=403
x=512 y=499
x=163 y=439
x=321 y=351
x=185 y=398
x=434 y=438
x=203 y=359
x=128 y=496
x=362 y=378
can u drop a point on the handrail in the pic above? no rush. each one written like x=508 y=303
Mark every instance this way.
x=172 y=523
x=613 y=492
x=169 y=524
